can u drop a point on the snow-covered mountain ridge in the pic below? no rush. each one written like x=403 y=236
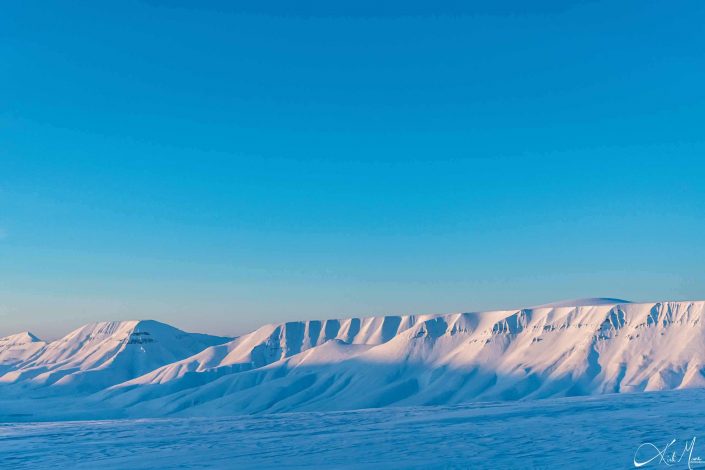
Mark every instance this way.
x=16 y=348
x=101 y=354
x=586 y=347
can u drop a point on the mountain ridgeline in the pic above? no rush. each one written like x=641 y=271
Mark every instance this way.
x=594 y=346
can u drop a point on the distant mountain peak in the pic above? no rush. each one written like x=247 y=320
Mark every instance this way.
x=19 y=338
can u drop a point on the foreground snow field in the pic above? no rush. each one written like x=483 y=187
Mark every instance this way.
x=581 y=432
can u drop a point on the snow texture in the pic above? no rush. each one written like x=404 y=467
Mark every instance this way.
x=577 y=433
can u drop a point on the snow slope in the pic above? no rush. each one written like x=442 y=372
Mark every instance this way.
x=102 y=354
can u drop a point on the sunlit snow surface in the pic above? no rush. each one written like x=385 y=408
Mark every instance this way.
x=585 y=432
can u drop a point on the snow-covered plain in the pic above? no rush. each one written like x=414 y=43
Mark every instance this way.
x=600 y=432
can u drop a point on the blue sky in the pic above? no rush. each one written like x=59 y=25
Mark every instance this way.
x=226 y=166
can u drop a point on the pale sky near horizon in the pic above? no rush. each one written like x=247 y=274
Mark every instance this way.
x=225 y=166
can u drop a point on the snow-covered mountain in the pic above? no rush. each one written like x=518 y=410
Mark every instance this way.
x=17 y=348
x=590 y=346
x=546 y=351
x=99 y=355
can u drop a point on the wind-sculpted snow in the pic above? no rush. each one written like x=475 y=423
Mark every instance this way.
x=541 y=352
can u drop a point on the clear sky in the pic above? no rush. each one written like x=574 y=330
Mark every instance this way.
x=225 y=166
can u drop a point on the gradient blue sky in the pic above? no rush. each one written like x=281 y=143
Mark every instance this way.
x=225 y=166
